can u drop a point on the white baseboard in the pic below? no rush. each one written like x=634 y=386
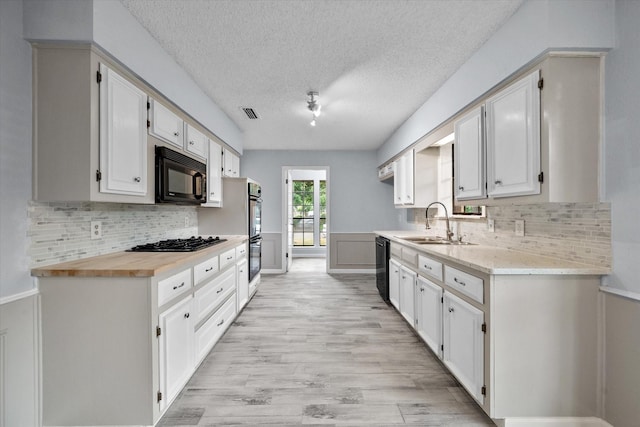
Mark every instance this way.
x=553 y=422
x=271 y=271
x=352 y=271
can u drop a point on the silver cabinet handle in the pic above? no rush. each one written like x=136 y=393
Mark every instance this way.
x=461 y=188
x=221 y=289
x=137 y=179
x=221 y=322
x=229 y=257
x=451 y=310
x=176 y=134
x=498 y=182
x=191 y=143
x=208 y=269
x=428 y=267
x=179 y=286
x=186 y=315
x=460 y=282
x=421 y=289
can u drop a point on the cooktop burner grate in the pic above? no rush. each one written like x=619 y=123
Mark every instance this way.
x=178 y=245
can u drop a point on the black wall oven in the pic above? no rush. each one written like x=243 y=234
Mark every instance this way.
x=255 y=229
x=179 y=179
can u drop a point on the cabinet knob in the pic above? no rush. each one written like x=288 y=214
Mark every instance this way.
x=186 y=315
x=451 y=310
x=498 y=182
x=191 y=143
x=421 y=289
x=137 y=179
x=176 y=134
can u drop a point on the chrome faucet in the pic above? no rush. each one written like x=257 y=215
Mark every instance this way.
x=449 y=232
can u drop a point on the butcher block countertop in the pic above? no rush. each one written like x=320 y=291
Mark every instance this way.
x=133 y=264
x=494 y=260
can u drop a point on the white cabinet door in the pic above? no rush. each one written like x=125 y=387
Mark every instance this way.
x=123 y=135
x=394 y=283
x=176 y=349
x=231 y=164
x=403 y=180
x=196 y=142
x=513 y=139
x=214 y=175
x=429 y=313
x=463 y=341
x=407 y=290
x=469 y=156
x=243 y=284
x=165 y=124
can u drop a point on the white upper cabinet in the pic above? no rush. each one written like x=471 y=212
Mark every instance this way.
x=165 y=125
x=196 y=142
x=231 y=164
x=123 y=135
x=469 y=156
x=403 y=179
x=214 y=176
x=513 y=139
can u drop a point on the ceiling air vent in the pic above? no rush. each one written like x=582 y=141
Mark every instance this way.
x=250 y=112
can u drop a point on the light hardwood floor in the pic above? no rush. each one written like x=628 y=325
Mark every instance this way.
x=318 y=349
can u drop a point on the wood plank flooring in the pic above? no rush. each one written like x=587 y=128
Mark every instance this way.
x=319 y=349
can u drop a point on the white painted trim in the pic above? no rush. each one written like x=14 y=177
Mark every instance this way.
x=310 y=254
x=555 y=422
x=21 y=295
x=352 y=271
x=634 y=296
x=272 y=271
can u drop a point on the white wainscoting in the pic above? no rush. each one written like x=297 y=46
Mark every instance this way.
x=352 y=253
x=20 y=360
x=272 y=253
x=553 y=422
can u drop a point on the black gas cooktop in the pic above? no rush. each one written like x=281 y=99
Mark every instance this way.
x=178 y=245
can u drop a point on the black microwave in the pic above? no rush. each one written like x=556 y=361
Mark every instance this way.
x=179 y=178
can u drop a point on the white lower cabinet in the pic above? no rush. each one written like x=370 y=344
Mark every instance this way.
x=463 y=341
x=208 y=334
x=429 y=313
x=407 y=285
x=243 y=283
x=394 y=283
x=176 y=349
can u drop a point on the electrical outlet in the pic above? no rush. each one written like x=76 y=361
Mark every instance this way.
x=520 y=227
x=491 y=225
x=96 y=230
x=186 y=221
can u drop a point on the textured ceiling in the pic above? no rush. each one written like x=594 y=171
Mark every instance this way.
x=374 y=62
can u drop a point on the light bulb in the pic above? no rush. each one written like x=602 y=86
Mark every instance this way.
x=313 y=122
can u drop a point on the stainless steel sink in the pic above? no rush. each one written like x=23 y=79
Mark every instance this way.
x=424 y=240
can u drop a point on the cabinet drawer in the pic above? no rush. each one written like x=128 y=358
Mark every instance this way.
x=173 y=286
x=210 y=297
x=205 y=269
x=241 y=251
x=430 y=267
x=410 y=256
x=212 y=330
x=466 y=283
x=227 y=258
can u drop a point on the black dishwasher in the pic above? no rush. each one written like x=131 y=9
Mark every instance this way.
x=382 y=266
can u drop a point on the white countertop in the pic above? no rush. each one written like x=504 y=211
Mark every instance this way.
x=494 y=260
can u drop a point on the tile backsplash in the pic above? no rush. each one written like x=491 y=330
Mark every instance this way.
x=579 y=232
x=60 y=232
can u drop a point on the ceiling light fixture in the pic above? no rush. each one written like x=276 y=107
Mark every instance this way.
x=313 y=106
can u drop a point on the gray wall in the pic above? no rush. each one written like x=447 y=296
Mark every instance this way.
x=358 y=202
x=15 y=150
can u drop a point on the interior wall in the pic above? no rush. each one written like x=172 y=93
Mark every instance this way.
x=621 y=164
x=358 y=201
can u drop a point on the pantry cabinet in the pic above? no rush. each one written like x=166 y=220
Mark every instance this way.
x=165 y=124
x=123 y=142
x=463 y=341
